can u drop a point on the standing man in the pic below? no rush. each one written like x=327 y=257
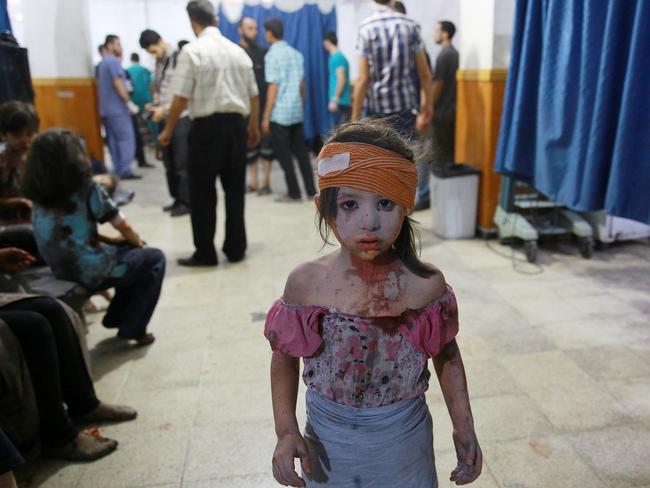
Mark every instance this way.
x=444 y=105
x=214 y=79
x=116 y=109
x=391 y=63
x=283 y=113
x=140 y=78
x=339 y=81
x=176 y=154
x=248 y=32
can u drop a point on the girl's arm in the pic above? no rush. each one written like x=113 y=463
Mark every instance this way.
x=112 y=240
x=453 y=383
x=285 y=372
x=122 y=226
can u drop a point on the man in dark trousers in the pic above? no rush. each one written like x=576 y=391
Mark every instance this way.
x=248 y=31
x=283 y=113
x=175 y=155
x=444 y=106
x=214 y=80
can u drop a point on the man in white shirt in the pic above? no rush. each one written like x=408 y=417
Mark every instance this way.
x=214 y=80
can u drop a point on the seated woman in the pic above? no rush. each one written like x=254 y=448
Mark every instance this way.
x=68 y=205
x=58 y=372
x=18 y=126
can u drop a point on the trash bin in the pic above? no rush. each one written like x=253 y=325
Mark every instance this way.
x=454 y=199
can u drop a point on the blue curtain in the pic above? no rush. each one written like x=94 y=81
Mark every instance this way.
x=576 y=117
x=304 y=30
x=5 y=25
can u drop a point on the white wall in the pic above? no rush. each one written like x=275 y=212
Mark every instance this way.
x=350 y=13
x=56 y=33
x=487 y=28
x=127 y=18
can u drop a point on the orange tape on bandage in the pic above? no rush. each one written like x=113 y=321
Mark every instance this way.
x=368 y=168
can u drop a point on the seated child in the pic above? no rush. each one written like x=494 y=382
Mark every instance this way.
x=366 y=319
x=18 y=126
x=68 y=205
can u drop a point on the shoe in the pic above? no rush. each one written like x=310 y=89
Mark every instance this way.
x=265 y=190
x=235 y=259
x=132 y=176
x=146 y=165
x=105 y=412
x=287 y=198
x=89 y=445
x=168 y=208
x=179 y=210
x=192 y=262
x=423 y=205
x=251 y=189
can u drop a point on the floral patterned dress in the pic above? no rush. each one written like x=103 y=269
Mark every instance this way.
x=363 y=362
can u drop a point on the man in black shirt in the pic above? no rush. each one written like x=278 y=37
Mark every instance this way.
x=248 y=32
x=444 y=106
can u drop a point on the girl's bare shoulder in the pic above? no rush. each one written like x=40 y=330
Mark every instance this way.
x=426 y=289
x=306 y=280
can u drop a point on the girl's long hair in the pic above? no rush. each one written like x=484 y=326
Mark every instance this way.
x=57 y=167
x=380 y=133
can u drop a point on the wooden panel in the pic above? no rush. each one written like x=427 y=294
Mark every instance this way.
x=478 y=115
x=71 y=103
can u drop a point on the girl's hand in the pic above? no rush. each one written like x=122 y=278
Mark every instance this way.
x=290 y=446
x=470 y=458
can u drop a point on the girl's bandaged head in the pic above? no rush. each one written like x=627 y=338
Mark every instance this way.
x=368 y=168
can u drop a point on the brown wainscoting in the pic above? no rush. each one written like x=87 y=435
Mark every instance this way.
x=71 y=103
x=479 y=101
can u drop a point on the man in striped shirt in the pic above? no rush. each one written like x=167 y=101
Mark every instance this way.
x=391 y=64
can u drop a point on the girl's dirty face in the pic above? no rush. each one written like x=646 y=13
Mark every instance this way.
x=366 y=224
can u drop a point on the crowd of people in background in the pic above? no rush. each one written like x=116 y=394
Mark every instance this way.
x=211 y=109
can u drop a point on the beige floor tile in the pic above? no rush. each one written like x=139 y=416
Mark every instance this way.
x=487 y=377
x=576 y=408
x=633 y=394
x=250 y=481
x=166 y=369
x=230 y=449
x=603 y=305
x=544 y=311
x=539 y=462
x=618 y=455
x=131 y=464
x=552 y=369
x=508 y=417
x=234 y=402
x=597 y=332
x=610 y=362
x=517 y=341
x=49 y=474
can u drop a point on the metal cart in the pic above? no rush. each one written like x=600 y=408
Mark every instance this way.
x=525 y=214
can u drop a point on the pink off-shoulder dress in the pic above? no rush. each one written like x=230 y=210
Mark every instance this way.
x=363 y=362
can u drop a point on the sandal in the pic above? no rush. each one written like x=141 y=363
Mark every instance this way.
x=265 y=190
x=251 y=189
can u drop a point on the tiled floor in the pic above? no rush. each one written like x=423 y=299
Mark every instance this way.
x=557 y=355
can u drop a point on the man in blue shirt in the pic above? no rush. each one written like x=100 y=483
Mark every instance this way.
x=339 y=81
x=283 y=114
x=116 y=108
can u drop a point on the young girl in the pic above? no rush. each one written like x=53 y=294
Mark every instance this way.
x=68 y=204
x=366 y=319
